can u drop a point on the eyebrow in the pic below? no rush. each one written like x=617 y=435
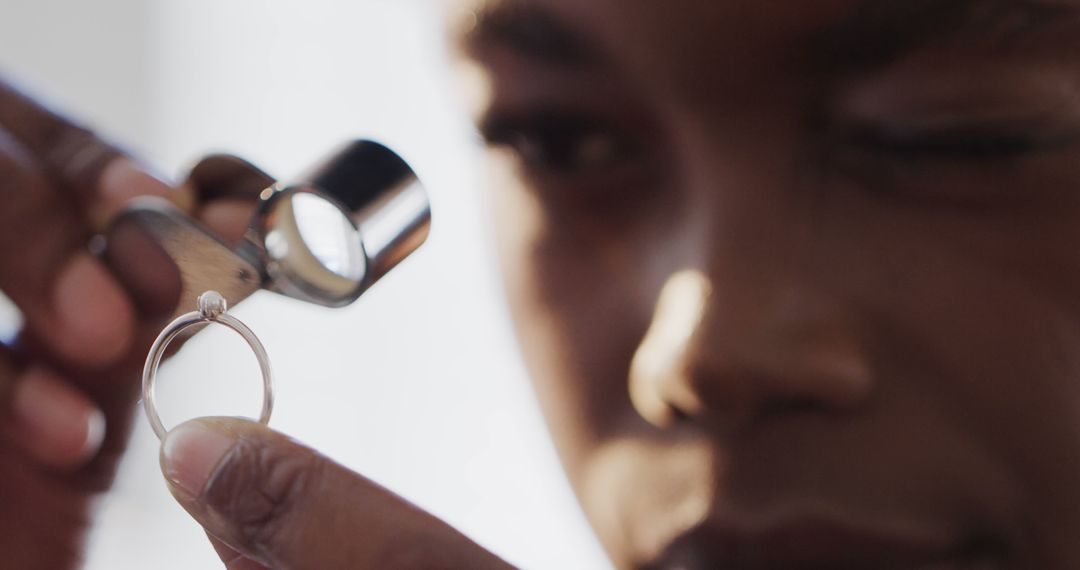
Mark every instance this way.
x=879 y=32
x=876 y=33
x=531 y=31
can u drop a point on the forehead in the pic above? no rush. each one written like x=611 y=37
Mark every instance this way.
x=680 y=39
x=648 y=33
x=678 y=19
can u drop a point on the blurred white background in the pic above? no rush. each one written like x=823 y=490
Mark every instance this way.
x=417 y=385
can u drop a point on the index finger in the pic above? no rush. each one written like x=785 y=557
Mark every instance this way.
x=69 y=152
x=86 y=167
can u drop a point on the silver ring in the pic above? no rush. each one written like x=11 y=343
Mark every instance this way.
x=212 y=307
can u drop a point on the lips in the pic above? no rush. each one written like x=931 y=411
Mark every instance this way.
x=818 y=543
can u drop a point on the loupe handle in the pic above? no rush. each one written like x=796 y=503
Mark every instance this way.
x=382 y=196
x=388 y=218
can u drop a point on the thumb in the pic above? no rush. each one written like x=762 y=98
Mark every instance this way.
x=285 y=506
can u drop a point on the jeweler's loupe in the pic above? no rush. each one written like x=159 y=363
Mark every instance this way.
x=324 y=239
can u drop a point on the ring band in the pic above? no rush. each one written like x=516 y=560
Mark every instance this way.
x=212 y=309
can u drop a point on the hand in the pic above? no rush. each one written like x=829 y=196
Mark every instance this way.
x=68 y=385
x=269 y=502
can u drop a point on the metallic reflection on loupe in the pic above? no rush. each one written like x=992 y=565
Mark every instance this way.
x=325 y=239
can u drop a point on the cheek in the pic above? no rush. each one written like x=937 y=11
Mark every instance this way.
x=996 y=367
x=974 y=321
x=578 y=298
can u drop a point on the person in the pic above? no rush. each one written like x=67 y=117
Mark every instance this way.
x=796 y=285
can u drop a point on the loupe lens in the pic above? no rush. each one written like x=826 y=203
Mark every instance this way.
x=328 y=235
x=314 y=249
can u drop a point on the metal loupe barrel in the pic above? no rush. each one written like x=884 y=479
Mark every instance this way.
x=330 y=251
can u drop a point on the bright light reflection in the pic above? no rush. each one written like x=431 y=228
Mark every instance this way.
x=11 y=320
x=329 y=235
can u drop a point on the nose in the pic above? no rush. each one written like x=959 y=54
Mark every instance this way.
x=718 y=355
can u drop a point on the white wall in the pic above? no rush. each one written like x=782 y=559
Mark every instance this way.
x=417 y=385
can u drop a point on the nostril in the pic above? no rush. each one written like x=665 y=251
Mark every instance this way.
x=678 y=415
x=710 y=355
x=662 y=395
x=654 y=407
x=789 y=407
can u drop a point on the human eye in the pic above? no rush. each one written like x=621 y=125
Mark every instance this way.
x=603 y=167
x=976 y=142
x=553 y=145
x=975 y=149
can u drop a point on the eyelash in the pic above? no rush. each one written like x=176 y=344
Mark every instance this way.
x=964 y=144
x=969 y=164
x=559 y=143
x=554 y=143
x=580 y=160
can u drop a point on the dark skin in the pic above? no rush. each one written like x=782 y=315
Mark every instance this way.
x=66 y=407
x=70 y=382
x=796 y=285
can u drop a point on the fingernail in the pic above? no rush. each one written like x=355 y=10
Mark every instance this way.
x=191 y=453
x=96 y=318
x=60 y=425
x=228 y=218
x=124 y=179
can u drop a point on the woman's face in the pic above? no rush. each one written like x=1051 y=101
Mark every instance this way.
x=798 y=284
